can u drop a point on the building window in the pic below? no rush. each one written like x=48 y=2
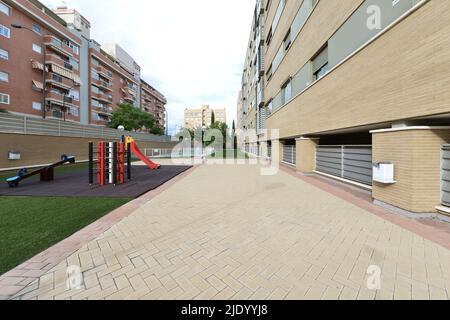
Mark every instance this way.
x=4 y=76
x=4 y=54
x=269 y=107
x=269 y=73
x=320 y=64
x=37 y=48
x=4 y=98
x=4 y=31
x=321 y=72
x=5 y=9
x=37 y=106
x=287 y=41
x=74 y=112
x=286 y=92
x=37 y=29
x=75 y=95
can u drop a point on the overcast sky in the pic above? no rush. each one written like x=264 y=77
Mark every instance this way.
x=192 y=51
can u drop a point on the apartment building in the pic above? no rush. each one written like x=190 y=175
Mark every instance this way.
x=39 y=62
x=359 y=92
x=84 y=81
x=199 y=118
x=153 y=102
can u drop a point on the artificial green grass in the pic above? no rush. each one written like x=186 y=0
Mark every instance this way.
x=30 y=225
x=230 y=154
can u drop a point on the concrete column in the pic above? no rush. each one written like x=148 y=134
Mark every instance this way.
x=306 y=154
x=416 y=155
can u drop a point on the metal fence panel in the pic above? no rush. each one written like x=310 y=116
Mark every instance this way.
x=445 y=175
x=347 y=162
x=12 y=123
x=290 y=154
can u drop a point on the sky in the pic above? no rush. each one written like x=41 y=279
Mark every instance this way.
x=191 y=51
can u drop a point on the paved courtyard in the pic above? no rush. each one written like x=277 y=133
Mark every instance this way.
x=226 y=232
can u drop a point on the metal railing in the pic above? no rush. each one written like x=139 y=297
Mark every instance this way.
x=178 y=153
x=11 y=123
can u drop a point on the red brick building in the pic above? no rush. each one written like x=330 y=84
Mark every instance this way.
x=154 y=102
x=42 y=40
x=110 y=85
x=84 y=81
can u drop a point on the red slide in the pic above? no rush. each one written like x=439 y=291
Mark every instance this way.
x=142 y=157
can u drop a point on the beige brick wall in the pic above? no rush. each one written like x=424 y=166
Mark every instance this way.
x=403 y=74
x=416 y=155
x=306 y=155
x=37 y=150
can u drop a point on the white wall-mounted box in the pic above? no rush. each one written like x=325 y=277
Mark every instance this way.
x=14 y=155
x=383 y=172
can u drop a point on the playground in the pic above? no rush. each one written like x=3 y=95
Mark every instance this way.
x=43 y=206
x=74 y=184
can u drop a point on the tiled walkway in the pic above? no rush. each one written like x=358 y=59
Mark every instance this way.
x=225 y=232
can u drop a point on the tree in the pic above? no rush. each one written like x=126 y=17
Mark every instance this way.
x=133 y=119
x=213 y=118
x=235 y=140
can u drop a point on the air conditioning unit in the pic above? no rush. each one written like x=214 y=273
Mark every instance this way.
x=383 y=172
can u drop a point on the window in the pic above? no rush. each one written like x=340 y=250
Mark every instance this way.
x=4 y=76
x=321 y=72
x=287 y=41
x=37 y=106
x=286 y=92
x=74 y=63
x=269 y=107
x=4 y=54
x=37 y=29
x=75 y=95
x=74 y=112
x=37 y=48
x=4 y=31
x=5 y=9
x=4 y=98
x=320 y=64
x=269 y=72
x=269 y=37
x=74 y=47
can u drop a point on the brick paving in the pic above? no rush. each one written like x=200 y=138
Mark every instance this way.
x=226 y=232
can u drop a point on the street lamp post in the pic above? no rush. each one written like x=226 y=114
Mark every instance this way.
x=44 y=69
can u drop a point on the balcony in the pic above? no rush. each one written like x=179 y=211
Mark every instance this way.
x=55 y=59
x=102 y=71
x=106 y=112
x=53 y=98
x=58 y=46
x=58 y=81
x=104 y=85
x=128 y=98
x=101 y=97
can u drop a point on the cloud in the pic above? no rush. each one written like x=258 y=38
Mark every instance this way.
x=192 y=51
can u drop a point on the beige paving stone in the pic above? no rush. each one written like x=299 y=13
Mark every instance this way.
x=267 y=237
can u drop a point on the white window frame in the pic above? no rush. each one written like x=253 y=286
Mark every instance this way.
x=35 y=47
x=7 y=55
x=287 y=88
x=34 y=104
x=4 y=95
x=7 y=7
x=6 y=79
x=8 y=36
